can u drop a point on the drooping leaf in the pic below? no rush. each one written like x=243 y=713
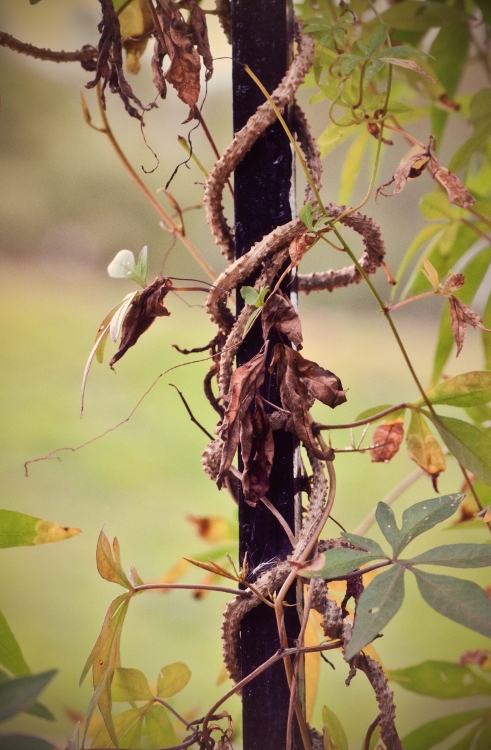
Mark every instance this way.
x=352 y=165
x=24 y=741
x=430 y=734
x=441 y=679
x=117 y=319
x=363 y=543
x=136 y=24
x=172 y=679
x=459 y=600
x=279 y=313
x=386 y=440
x=129 y=685
x=19 y=693
x=461 y=315
x=470 y=445
x=409 y=64
x=338 y=562
x=466 y=389
x=109 y=563
x=377 y=605
x=456 y=556
x=249 y=294
x=415 y=520
x=11 y=656
x=159 y=727
x=21 y=530
x=423 y=448
x=336 y=735
x=90 y=710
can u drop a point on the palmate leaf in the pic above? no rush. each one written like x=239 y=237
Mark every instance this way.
x=352 y=166
x=338 y=562
x=37 y=708
x=127 y=726
x=470 y=445
x=441 y=679
x=159 y=727
x=130 y=685
x=434 y=732
x=460 y=600
x=415 y=520
x=378 y=604
x=19 y=693
x=456 y=556
x=464 y=390
x=364 y=543
x=109 y=561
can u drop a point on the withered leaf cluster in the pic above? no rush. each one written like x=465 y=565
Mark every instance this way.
x=110 y=61
x=461 y=315
x=143 y=311
x=299 y=383
x=183 y=43
x=415 y=163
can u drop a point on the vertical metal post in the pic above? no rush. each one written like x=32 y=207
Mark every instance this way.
x=262 y=34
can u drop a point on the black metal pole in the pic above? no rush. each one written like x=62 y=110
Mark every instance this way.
x=262 y=34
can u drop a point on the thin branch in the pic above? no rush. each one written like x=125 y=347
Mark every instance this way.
x=192 y=586
x=294 y=689
x=191 y=415
x=370 y=731
x=172 y=710
x=362 y=571
x=281 y=520
x=85 y=54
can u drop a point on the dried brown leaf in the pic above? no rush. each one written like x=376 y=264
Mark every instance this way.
x=388 y=436
x=257 y=447
x=300 y=381
x=454 y=282
x=183 y=71
x=412 y=165
x=278 y=312
x=212 y=529
x=461 y=315
x=199 y=30
x=299 y=246
x=456 y=191
x=110 y=61
x=479 y=656
x=143 y=311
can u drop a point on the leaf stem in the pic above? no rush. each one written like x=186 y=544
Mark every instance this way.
x=191 y=586
x=317 y=427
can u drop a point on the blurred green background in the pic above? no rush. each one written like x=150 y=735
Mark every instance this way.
x=66 y=208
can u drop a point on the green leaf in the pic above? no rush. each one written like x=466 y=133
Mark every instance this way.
x=435 y=207
x=24 y=741
x=37 y=708
x=123 y=724
x=430 y=734
x=20 y=530
x=19 y=693
x=480 y=113
x=449 y=52
x=122 y=265
x=172 y=679
x=306 y=215
x=336 y=735
x=367 y=544
x=378 y=604
x=118 y=4
x=332 y=136
x=401 y=51
x=349 y=63
x=250 y=320
x=159 y=727
x=467 y=389
x=377 y=38
x=34 y=2
x=485 y=337
x=249 y=294
x=338 y=562
x=441 y=679
x=263 y=293
x=130 y=685
x=352 y=165
x=90 y=709
x=374 y=410
x=470 y=445
x=456 y=556
x=415 y=520
x=109 y=563
x=484 y=733
x=373 y=67
x=411 y=15
x=141 y=269
x=459 y=600
x=10 y=653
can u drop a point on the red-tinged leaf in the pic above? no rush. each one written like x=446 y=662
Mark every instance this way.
x=279 y=313
x=424 y=449
x=388 y=437
x=409 y=64
x=109 y=561
x=453 y=283
x=300 y=381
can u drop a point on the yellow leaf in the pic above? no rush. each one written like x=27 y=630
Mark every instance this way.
x=212 y=529
x=312 y=668
x=423 y=447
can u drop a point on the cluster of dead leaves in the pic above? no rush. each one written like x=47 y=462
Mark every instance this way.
x=414 y=164
x=299 y=383
x=147 y=306
x=182 y=42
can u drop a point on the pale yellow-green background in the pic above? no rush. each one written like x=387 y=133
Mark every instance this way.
x=66 y=208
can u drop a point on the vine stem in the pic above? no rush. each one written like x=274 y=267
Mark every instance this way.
x=316 y=427
x=280 y=654
x=167 y=219
x=192 y=586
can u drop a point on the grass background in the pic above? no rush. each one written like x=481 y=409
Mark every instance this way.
x=66 y=208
